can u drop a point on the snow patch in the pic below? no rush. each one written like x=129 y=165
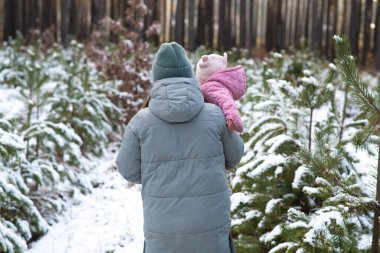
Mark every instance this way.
x=283 y=246
x=108 y=220
x=239 y=198
x=270 y=236
x=271 y=205
x=270 y=162
x=299 y=174
x=320 y=223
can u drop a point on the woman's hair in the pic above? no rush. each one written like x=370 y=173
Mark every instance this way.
x=145 y=104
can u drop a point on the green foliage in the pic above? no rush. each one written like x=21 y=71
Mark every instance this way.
x=81 y=101
x=367 y=101
x=65 y=115
x=19 y=219
x=294 y=193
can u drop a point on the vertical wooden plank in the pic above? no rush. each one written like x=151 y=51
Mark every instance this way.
x=120 y=8
x=77 y=14
x=209 y=5
x=172 y=19
x=307 y=23
x=367 y=30
x=259 y=21
x=283 y=13
x=162 y=20
x=242 y=24
x=328 y=28
x=89 y=17
x=377 y=36
x=26 y=16
x=84 y=18
x=269 y=36
x=148 y=18
x=98 y=8
x=227 y=24
x=80 y=18
x=170 y=11
x=201 y=28
x=39 y=14
x=290 y=23
x=65 y=5
x=156 y=17
x=33 y=13
x=71 y=13
x=221 y=19
x=314 y=25
x=335 y=27
x=355 y=25
x=345 y=17
x=250 y=27
x=107 y=17
x=161 y=4
x=233 y=23
x=44 y=9
x=46 y=14
x=155 y=12
x=321 y=24
x=59 y=21
x=7 y=21
x=19 y=14
x=278 y=26
x=179 y=22
x=153 y=15
x=191 y=26
x=376 y=27
x=2 y=19
x=297 y=26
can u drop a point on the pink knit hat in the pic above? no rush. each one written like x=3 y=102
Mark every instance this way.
x=209 y=65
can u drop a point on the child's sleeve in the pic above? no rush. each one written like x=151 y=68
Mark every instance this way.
x=233 y=147
x=216 y=93
x=128 y=160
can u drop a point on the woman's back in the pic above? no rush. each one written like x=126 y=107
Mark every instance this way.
x=179 y=149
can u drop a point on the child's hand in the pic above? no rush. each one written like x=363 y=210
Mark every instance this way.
x=230 y=125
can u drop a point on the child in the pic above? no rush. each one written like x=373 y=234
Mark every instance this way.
x=221 y=86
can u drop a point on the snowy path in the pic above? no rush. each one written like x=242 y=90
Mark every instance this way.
x=108 y=220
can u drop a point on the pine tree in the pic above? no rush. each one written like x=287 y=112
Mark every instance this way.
x=294 y=193
x=369 y=104
x=43 y=148
x=19 y=219
x=81 y=102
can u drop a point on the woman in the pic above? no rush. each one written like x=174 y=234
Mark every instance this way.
x=178 y=149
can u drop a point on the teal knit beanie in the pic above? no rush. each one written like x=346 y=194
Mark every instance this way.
x=171 y=61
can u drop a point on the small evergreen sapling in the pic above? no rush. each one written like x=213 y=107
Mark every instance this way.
x=42 y=145
x=262 y=185
x=369 y=104
x=290 y=201
x=81 y=103
x=312 y=95
x=19 y=218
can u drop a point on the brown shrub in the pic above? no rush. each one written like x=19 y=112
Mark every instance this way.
x=128 y=58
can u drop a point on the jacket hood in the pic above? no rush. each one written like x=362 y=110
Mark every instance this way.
x=234 y=79
x=177 y=99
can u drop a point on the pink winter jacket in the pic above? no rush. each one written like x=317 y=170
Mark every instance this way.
x=222 y=88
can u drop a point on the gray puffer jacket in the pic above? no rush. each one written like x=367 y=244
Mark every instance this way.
x=179 y=149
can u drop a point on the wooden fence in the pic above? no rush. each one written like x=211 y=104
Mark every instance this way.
x=219 y=24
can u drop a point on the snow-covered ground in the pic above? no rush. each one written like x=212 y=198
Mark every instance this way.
x=108 y=220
